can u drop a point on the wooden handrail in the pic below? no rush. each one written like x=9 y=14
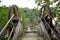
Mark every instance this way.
x=52 y=30
x=10 y=33
x=44 y=31
x=6 y=25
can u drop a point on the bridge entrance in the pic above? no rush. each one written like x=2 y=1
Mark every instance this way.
x=13 y=30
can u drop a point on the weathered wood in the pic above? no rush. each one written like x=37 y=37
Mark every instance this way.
x=13 y=19
x=14 y=10
x=48 y=18
x=11 y=33
x=18 y=31
x=42 y=31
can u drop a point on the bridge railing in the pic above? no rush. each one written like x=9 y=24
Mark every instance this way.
x=53 y=31
x=3 y=31
x=13 y=27
x=18 y=31
x=46 y=18
x=6 y=25
x=42 y=31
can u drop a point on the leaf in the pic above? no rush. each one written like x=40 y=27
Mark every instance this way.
x=55 y=0
x=47 y=2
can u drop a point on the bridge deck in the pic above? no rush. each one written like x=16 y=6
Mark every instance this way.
x=30 y=36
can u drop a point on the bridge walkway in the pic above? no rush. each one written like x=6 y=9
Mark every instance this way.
x=30 y=36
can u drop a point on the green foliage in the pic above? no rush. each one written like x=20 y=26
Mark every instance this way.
x=23 y=20
x=0 y=0
x=55 y=0
x=27 y=15
x=3 y=16
x=47 y=2
x=22 y=15
x=39 y=2
x=54 y=12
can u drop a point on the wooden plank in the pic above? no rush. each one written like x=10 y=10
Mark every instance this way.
x=18 y=31
x=30 y=36
x=42 y=31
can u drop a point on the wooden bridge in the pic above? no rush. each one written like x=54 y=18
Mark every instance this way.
x=13 y=30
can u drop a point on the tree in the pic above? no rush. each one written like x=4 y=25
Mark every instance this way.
x=0 y=1
x=55 y=10
x=48 y=2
